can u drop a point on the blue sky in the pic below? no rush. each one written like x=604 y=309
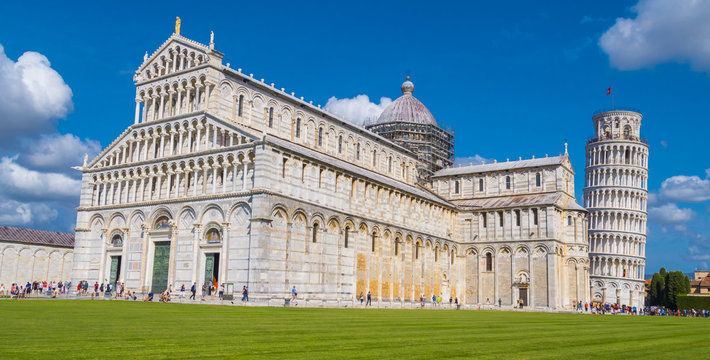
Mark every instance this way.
x=511 y=78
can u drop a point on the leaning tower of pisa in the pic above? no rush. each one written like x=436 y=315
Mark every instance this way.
x=615 y=194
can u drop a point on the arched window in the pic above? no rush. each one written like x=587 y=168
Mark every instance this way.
x=517 y=217
x=374 y=158
x=538 y=180
x=453 y=256
x=213 y=235
x=340 y=144
x=298 y=128
x=484 y=219
x=480 y=184
x=628 y=156
x=162 y=223
x=315 y=232
x=456 y=187
x=627 y=131
x=534 y=211
x=389 y=165
x=241 y=105
x=347 y=236
x=396 y=247
x=500 y=218
x=357 y=151
x=374 y=237
x=117 y=240
x=489 y=262
x=320 y=136
x=507 y=182
x=271 y=117
x=436 y=253
x=416 y=251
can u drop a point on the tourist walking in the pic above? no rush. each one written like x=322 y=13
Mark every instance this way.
x=193 y=290
x=500 y=303
x=369 y=299
x=294 y=294
x=245 y=294
x=182 y=292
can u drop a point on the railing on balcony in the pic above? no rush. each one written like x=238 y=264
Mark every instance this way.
x=617 y=137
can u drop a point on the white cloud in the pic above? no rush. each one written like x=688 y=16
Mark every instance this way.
x=33 y=97
x=698 y=255
x=471 y=160
x=670 y=214
x=663 y=31
x=17 y=213
x=707 y=173
x=652 y=199
x=20 y=183
x=58 y=153
x=664 y=144
x=685 y=189
x=358 y=109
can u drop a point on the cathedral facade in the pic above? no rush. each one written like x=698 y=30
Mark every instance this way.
x=223 y=177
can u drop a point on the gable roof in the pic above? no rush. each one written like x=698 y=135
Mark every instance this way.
x=502 y=166
x=36 y=237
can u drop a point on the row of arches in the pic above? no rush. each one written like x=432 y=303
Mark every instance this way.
x=223 y=173
x=617 y=267
x=616 y=177
x=616 y=198
x=22 y=263
x=629 y=245
x=171 y=139
x=174 y=59
x=602 y=154
x=178 y=97
x=617 y=220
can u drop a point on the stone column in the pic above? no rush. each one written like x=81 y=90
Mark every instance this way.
x=138 y=111
x=205 y=168
x=172 y=140
x=145 y=108
x=195 y=252
x=224 y=258
x=178 y=104
x=199 y=137
x=245 y=168
x=171 y=92
x=225 y=167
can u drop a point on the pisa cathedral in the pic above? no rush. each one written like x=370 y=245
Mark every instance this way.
x=222 y=176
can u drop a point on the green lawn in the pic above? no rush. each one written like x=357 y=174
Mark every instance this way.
x=130 y=330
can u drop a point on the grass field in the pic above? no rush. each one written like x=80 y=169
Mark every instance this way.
x=131 y=330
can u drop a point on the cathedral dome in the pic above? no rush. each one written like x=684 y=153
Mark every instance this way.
x=407 y=109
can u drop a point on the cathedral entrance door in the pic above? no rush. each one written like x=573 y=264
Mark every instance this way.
x=211 y=267
x=161 y=264
x=523 y=295
x=115 y=274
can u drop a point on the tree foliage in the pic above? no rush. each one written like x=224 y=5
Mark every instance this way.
x=665 y=288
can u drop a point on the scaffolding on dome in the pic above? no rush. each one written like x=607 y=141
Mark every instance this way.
x=433 y=145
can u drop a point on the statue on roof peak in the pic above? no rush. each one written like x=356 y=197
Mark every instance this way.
x=177 y=25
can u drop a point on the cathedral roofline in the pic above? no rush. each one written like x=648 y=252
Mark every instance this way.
x=314 y=108
x=357 y=170
x=502 y=166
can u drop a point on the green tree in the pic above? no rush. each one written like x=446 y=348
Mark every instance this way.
x=676 y=283
x=656 y=289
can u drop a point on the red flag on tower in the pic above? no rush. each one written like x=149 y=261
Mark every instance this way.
x=608 y=91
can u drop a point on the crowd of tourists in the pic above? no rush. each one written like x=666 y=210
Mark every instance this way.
x=35 y=288
x=211 y=289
